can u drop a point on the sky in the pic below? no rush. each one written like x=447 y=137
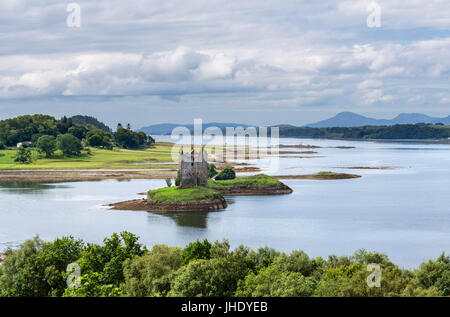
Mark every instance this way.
x=250 y=61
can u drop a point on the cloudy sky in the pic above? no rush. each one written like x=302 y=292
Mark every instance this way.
x=247 y=61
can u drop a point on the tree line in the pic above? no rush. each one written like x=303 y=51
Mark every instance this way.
x=417 y=131
x=121 y=266
x=68 y=135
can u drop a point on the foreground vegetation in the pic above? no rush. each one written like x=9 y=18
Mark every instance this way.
x=124 y=267
x=175 y=194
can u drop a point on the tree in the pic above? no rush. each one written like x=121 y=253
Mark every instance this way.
x=126 y=138
x=212 y=170
x=227 y=173
x=78 y=131
x=68 y=144
x=38 y=268
x=108 y=259
x=47 y=145
x=148 y=275
x=196 y=250
x=271 y=281
x=214 y=277
x=23 y=156
x=92 y=286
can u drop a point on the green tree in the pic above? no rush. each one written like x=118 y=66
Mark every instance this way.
x=227 y=173
x=23 y=156
x=272 y=281
x=47 y=145
x=214 y=277
x=68 y=144
x=126 y=138
x=212 y=170
x=108 y=259
x=92 y=286
x=38 y=268
x=78 y=131
x=148 y=275
x=196 y=250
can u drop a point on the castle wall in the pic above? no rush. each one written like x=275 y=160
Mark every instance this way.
x=193 y=170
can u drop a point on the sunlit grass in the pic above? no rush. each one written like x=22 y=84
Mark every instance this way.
x=254 y=181
x=98 y=159
x=173 y=194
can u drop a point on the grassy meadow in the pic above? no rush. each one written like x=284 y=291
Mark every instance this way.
x=97 y=159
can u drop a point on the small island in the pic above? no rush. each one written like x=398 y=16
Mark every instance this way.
x=195 y=189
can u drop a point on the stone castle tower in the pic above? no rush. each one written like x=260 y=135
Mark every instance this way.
x=193 y=169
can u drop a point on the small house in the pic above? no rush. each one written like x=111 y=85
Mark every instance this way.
x=25 y=144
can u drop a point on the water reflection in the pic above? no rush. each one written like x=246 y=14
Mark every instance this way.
x=28 y=188
x=189 y=219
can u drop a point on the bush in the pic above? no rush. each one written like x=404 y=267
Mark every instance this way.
x=23 y=156
x=46 y=144
x=69 y=144
x=227 y=173
x=212 y=170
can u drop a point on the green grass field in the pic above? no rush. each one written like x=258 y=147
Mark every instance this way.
x=99 y=159
x=260 y=180
x=173 y=194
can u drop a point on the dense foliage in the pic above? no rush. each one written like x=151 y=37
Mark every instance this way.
x=399 y=131
x=212 y=170
x=123 y=267
x=226 y=174
x=90 y=122
x=68 y=135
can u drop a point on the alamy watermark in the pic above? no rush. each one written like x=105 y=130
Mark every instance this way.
x=230 y=143
x=74 y=277
x=374 y=18
x=74 y=18
x=374 y=278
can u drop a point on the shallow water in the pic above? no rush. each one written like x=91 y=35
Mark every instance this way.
x=403 y=212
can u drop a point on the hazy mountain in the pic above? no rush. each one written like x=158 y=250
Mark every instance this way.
x=166 y=128
x=350 y=119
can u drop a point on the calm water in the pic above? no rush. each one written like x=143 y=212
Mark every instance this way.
x=402 y=212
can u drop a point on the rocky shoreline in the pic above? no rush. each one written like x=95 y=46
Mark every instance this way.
x=156 y=206
x=281 y=189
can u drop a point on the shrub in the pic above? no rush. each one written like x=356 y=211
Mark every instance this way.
x=23 y=156
x=227 y=173
x=212 y=170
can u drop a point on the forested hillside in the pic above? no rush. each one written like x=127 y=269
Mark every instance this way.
x=399 y=131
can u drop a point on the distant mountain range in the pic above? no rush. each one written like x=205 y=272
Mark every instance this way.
x=166 y=128
x=350 y=119
x=343 y=119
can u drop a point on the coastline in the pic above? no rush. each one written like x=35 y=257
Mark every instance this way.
x=54 y=176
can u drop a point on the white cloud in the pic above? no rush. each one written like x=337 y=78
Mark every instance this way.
x=265 y=53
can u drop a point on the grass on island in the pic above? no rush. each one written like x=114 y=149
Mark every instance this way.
x=173 y=194
x=326 y=173
x=99 y=159
x=254 y=181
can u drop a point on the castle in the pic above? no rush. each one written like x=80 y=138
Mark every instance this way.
x=193 y=169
